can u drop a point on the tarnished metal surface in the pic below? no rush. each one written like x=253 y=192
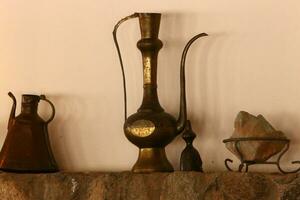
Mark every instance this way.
x=153 y=186
x=190 y=159
x=152 y=139
x=27 y=146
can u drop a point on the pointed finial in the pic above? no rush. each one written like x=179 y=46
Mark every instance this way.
x=190 y=159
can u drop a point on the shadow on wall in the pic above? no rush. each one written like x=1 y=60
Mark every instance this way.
x=197 y=69
x=62 y=130
x=172 y=33
x=286 y=123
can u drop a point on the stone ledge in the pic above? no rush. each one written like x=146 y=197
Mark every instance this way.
x=154 y=186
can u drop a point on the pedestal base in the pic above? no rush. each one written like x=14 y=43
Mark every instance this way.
x=152 y=160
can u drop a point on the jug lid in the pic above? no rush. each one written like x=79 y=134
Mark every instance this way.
x=30 y=98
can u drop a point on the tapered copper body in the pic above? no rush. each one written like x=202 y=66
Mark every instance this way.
x=27 y=147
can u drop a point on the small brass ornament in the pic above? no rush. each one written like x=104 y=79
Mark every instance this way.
x=141 y=128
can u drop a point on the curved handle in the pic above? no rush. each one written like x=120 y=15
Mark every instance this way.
x=120 y=57
x=43 y=97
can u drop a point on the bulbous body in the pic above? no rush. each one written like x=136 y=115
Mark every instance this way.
x=150 y=129
x=151 y=132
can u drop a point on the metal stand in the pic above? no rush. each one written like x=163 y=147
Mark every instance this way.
x=247 y=163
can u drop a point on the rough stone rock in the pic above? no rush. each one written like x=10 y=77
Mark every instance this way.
x=247 y=125
x=153 y=186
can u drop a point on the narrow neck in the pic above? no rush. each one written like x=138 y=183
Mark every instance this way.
x=149 y=45
x=30 y=104
x=29 y=109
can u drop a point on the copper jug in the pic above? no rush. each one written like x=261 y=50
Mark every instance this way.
x=26 y=147
x=151 y=128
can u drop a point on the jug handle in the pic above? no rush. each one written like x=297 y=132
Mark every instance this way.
x=43 y=97
x=120 y=57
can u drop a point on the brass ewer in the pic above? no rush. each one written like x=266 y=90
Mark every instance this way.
x=151 y=128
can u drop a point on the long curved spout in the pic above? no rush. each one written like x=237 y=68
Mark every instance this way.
x=181 y=121
x=13 y=110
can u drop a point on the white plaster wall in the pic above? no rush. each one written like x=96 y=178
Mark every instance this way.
x=64 y=49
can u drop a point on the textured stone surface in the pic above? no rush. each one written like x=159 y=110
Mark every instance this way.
x=154 y=186
x=247 y=125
